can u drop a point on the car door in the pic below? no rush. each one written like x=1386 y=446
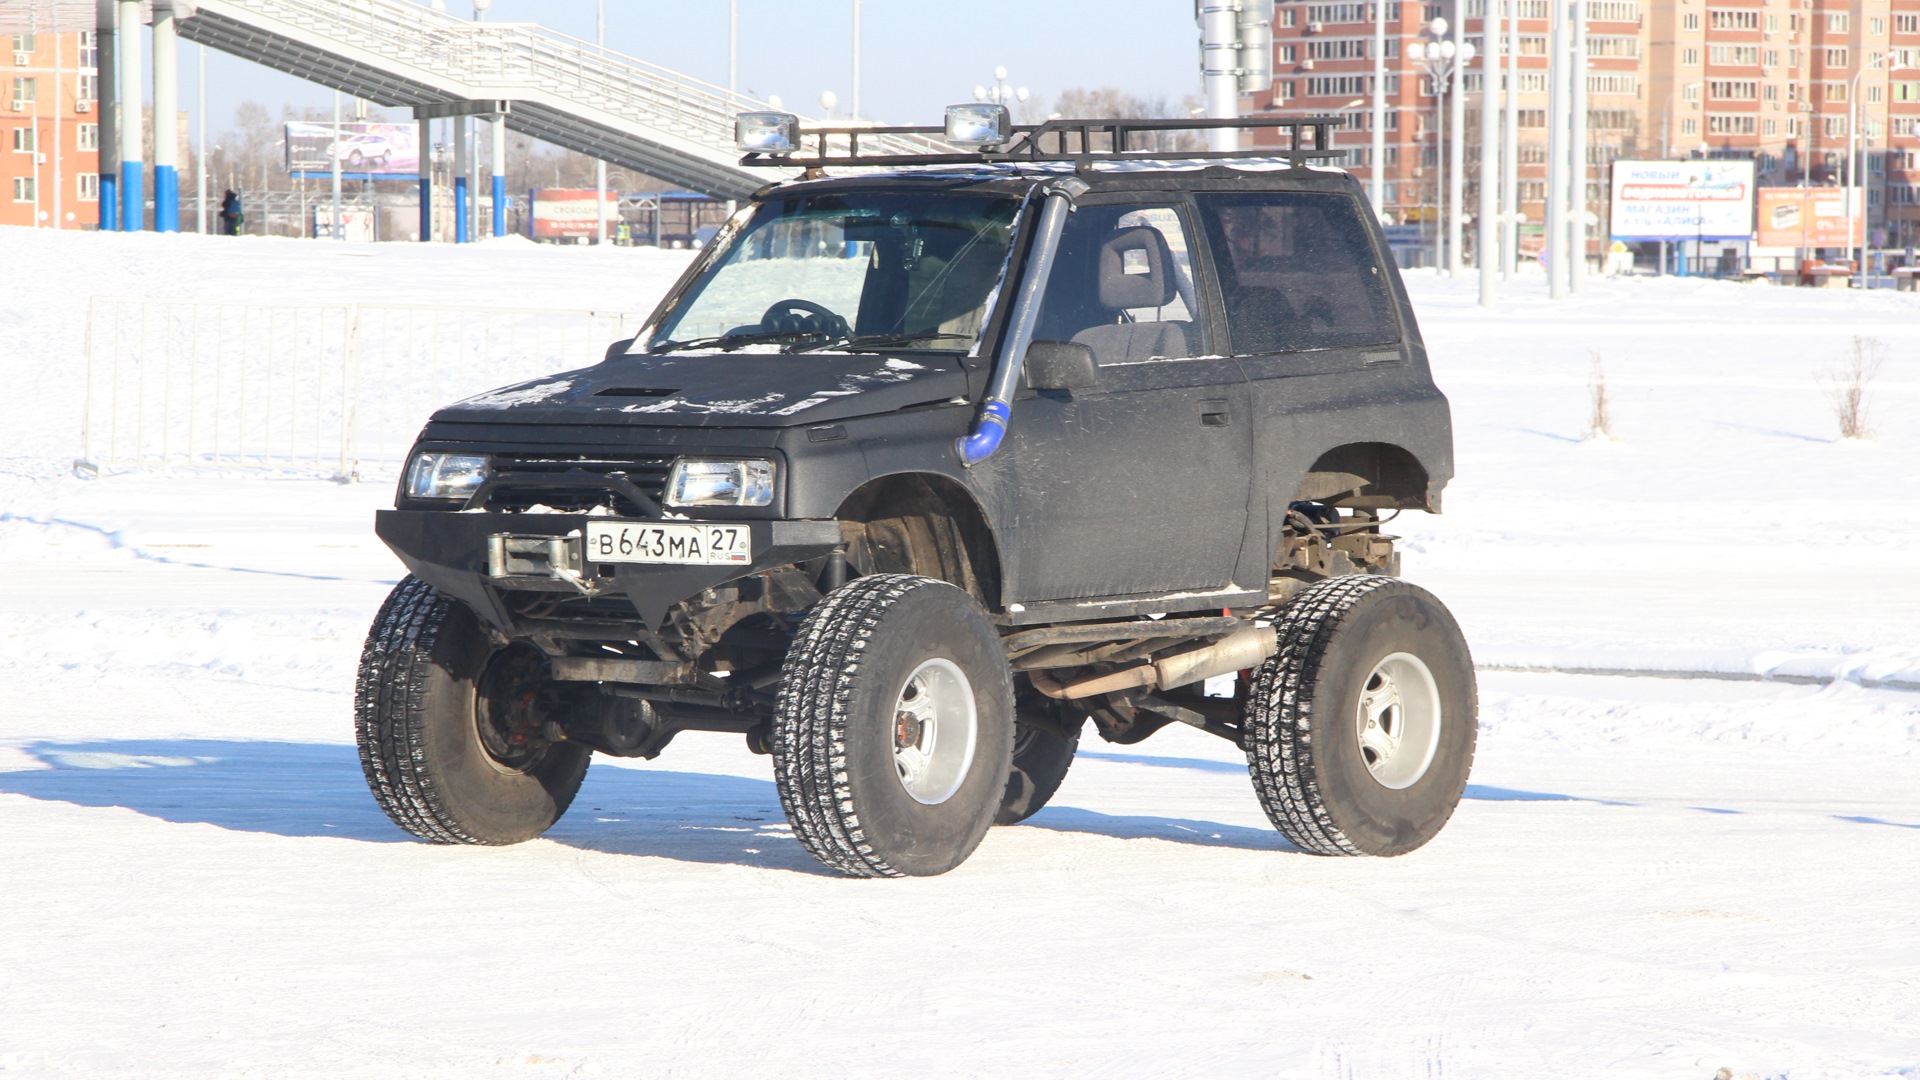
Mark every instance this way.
x=1139 y=485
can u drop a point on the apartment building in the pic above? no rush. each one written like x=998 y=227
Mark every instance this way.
x=49 y=130
x=1770 y=80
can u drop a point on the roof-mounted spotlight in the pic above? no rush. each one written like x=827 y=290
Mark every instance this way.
x=979 y=124
x=766 y=132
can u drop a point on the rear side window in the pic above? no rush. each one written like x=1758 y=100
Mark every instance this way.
x=1296 y=272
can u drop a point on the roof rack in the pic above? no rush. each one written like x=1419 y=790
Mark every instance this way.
x=1308 y=140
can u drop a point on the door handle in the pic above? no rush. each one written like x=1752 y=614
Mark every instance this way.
x=1214 y=413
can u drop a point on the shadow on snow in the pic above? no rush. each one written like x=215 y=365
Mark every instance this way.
x=317 y=789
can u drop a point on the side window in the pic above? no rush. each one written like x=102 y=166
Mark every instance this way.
x=1296 y=272
x=1122 y=285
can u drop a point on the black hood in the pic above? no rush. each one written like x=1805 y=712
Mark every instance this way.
x=722 y=390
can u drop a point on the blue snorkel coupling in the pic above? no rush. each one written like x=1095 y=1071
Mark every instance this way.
x=990 y=426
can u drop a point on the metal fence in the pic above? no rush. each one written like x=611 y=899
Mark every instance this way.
x=335 y=388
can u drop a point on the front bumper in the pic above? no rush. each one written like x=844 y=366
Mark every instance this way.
x=456 y=553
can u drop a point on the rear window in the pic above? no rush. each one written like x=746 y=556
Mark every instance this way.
x=1296 y=271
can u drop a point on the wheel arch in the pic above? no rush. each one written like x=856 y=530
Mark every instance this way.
x=926 y=524
x=1371 y=475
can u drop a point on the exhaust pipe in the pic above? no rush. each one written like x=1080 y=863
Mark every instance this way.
x=1237 y=651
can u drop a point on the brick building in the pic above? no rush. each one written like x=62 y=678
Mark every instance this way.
x=49 y=131
x=1769 y=80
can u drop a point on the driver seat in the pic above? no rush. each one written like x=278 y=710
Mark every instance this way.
x=1135 y=270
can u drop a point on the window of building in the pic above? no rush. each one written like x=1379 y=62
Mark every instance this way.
x=1837 y=22
x=1434 y=11
x=89 y=187
x=1771 y=127
x=1689 y=126
x=1770 y=58
x=1287 y=15
x=1835 y=126
x=24 y=189
x=86 y=87
x=1906 y=91
x=1532 y=118
x=1625 y=83
x=1835 y=91
x=1533 y=44
x=26 y=140
x=1690 y=92
x=89 y=50
x=1533 y=191
x=1731 y=124
x=1907 y=24
x=1793 y=57
x=25 y=90
x=26 y=43
x=1876 y=26
x=1533 y=154
x=1734 y=55
x=1533 y=9
x=1735 y=19
x=1837 y=56
x=1621 y=45
x=1873 y=95
x=1773 y=23
x=1287 y=56
x=1337 y=48
x=1330 y=14
x=1770 y=92
x=1533 y=82
x=1690 y=21
x=1733 y=89
x=1610 y=119
x=88 y=136
x=1688 y=57
x=1613 y=10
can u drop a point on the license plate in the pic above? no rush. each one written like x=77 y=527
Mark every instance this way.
x=699 y=545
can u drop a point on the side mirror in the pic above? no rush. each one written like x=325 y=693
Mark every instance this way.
x=1061 y=365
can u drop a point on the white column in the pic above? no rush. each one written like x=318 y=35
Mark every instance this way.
x=499 y=176
x=133 y=195
x=856 y=59
x=1376 y=182
x=106 y=17
x=1219 y=67
x=200 y=173
x=1457 y=150
x=339 y=222
x=59 y=173
x=166 y=119
x=1577 y=219
x=1487 y=227
x=600 y=167
x=1510 y=144
x=1557 y=109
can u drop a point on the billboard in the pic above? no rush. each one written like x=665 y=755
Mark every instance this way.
x=566 y=213
x=380 y=150
x=1682 y=200
x=1805 y=217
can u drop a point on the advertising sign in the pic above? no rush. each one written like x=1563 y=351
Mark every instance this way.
x=1805 y=217
x=381 y=150
x=566 y=213
x=1682 y=200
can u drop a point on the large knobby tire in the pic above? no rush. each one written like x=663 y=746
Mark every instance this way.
x=1361 y=729
x=432 y=697
x=1041 y=757
x=894 y=729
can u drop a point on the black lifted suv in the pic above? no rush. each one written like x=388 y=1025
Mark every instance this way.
x=923 y=466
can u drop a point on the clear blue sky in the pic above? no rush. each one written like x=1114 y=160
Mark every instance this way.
x=917 y=55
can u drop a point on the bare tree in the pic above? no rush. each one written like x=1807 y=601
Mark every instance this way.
x=1846 y=386
x=1600 y=412
x=1111 y=103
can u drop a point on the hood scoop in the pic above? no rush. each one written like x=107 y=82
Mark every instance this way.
x=634 y=392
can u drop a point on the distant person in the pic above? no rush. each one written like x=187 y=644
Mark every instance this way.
x=231 y=217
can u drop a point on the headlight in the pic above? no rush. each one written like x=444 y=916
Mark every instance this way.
x=445 y=476
x=747 y=482
x=766 y=132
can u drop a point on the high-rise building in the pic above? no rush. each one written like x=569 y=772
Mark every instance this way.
x=49 y=130
x=1771 y=80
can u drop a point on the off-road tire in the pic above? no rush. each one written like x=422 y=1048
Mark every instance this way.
x=1041 y=757
x=833 y=729
x=416 y=722
x=1301 y=718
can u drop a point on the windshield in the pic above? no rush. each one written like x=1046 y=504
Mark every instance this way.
x=851 y=270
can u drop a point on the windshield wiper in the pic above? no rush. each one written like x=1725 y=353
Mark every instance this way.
x=730 y=342
x=861 y=342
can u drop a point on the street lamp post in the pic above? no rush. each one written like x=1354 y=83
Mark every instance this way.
x=1856 y=166
x=1439 y=58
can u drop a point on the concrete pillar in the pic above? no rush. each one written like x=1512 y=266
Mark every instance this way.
x=1487 y=226
x=133 y=194
x=462 y=166
x=106 y=22
x=1559 y=109
x=166 y=119
x=499 y=176
x=1577 y=146
x=1457 y=150
x=1510 y=142
x=426 y=181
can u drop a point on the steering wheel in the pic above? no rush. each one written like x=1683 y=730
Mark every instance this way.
x=795 y=315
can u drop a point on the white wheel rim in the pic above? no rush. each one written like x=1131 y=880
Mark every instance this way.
x=1398 y=721
x=934 y=729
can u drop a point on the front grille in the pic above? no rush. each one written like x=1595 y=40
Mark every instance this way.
x=522 y=480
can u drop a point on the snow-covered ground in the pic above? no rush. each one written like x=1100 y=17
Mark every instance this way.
x=1650 y=876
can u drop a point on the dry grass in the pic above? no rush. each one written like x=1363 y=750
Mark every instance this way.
x=1846 y=386
x=1600 y=413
